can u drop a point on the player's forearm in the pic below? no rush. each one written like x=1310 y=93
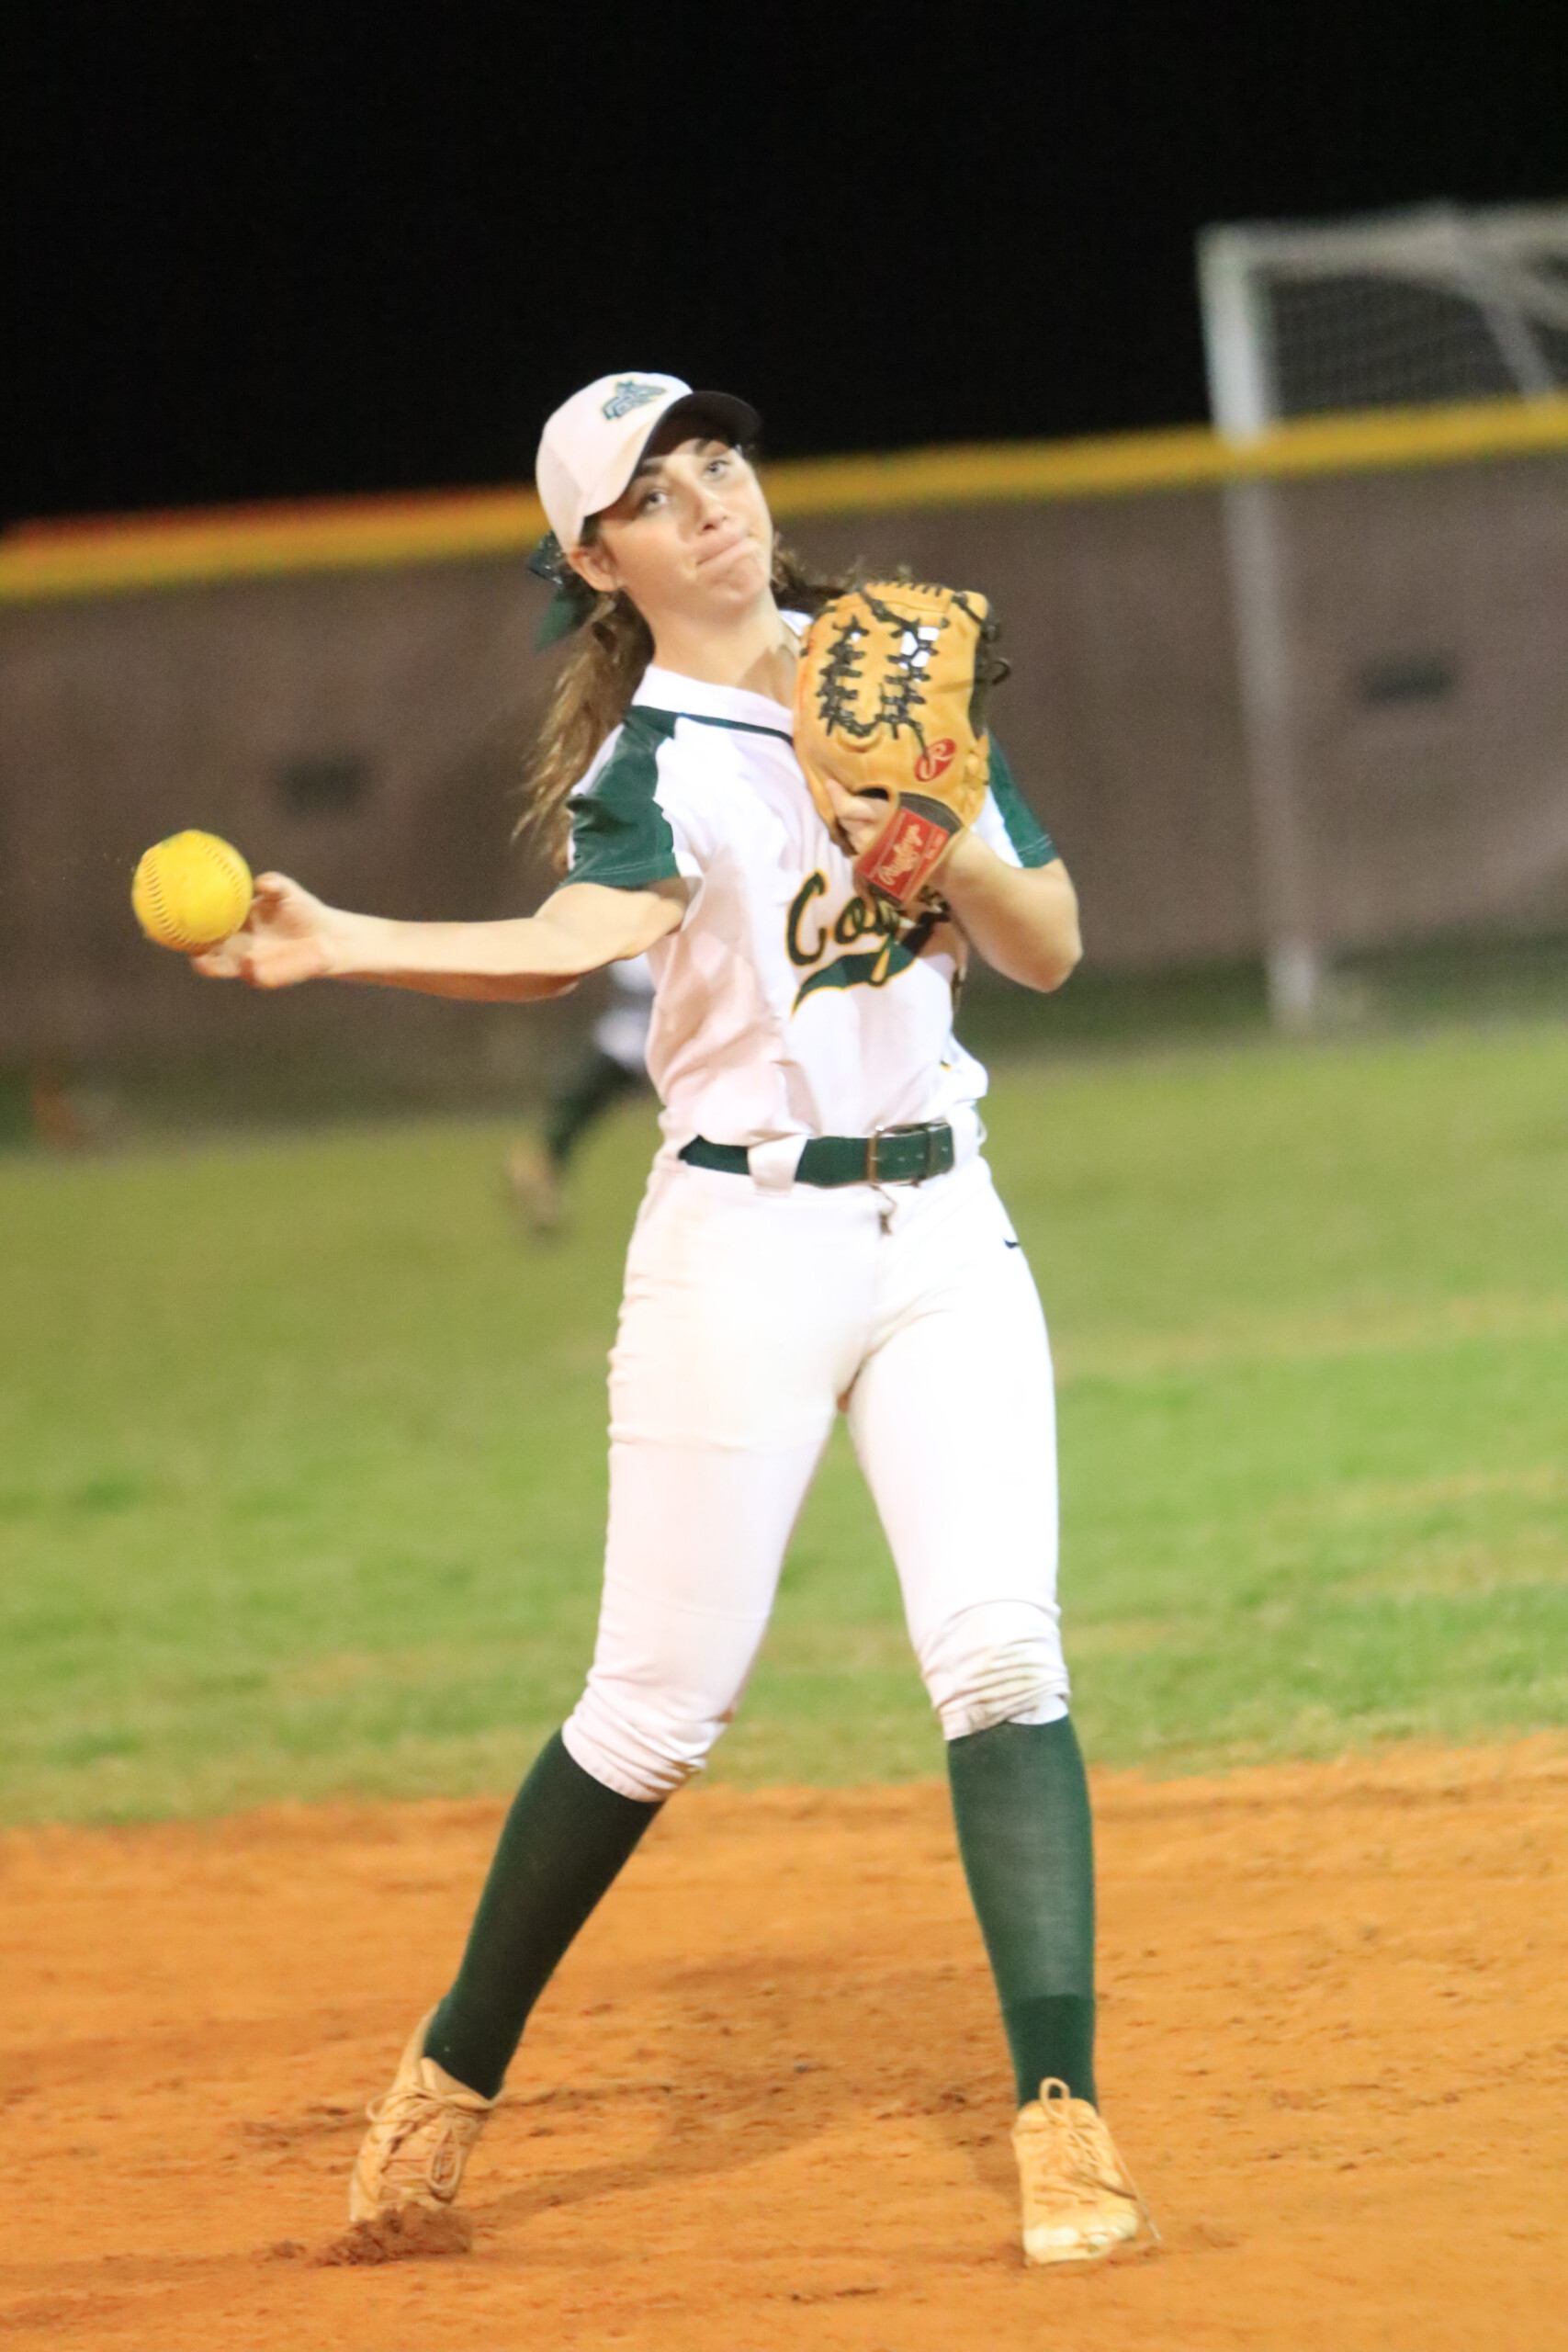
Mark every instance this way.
x=494 y=962
x=519 y=987
x=1023 y=920
x=581 y=929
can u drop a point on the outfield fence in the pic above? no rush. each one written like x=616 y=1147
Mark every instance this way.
x=347 y=690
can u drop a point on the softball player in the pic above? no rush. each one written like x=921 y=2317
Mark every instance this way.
x=819 y=1233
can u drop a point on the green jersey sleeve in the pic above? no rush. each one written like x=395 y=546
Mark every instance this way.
x=620 y=834
x=1027 y=837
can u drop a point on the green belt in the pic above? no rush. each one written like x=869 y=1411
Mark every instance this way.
x=893 y=1156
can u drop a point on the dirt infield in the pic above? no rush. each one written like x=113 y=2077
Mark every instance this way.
x=765 y=2103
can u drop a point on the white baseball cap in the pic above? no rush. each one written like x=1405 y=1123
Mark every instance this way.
x=592 y=445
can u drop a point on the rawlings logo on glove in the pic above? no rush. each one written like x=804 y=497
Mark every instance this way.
x=891 y=692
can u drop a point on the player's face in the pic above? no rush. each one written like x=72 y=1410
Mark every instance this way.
x=690 y=537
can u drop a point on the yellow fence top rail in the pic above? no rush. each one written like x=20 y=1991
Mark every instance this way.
x=44 y=563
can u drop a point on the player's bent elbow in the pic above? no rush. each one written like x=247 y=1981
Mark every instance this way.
x=1046 y=978
x=1054 y=961
x=1068 y=958
x=1058 y=937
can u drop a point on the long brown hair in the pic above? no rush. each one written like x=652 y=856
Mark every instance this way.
x=593 y=691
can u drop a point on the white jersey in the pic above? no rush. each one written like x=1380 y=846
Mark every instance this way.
x=787 y=1003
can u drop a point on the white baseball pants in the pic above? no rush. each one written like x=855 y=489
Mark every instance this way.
x=749 y=1317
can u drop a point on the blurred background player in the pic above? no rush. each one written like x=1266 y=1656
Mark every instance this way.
x=613 y=1063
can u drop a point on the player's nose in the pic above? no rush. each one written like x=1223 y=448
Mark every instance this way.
x=708 y=504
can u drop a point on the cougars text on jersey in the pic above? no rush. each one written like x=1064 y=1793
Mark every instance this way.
x=808 y=936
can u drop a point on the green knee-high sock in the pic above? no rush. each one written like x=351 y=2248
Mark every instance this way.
x=565 y=1838
x=1021 y=1801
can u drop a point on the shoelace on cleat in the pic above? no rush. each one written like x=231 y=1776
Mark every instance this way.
x=1078 y=2152
x=410 y=2108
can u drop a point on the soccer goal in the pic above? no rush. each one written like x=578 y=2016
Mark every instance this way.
x=1411 y=309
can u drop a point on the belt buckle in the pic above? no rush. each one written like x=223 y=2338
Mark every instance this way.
x=927 y=1131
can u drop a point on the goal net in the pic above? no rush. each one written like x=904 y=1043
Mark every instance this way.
x=1399 y=310
x=1411 y=310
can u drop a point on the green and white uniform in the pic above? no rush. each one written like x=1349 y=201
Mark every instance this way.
x=788 y=1007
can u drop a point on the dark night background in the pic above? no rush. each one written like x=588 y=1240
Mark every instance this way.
x=263 y=251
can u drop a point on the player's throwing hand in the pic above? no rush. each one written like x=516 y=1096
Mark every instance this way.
x=289 y=936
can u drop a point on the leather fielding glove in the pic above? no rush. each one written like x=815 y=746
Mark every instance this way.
x=890 y=702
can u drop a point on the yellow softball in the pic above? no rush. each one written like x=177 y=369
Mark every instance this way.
x=191 y=891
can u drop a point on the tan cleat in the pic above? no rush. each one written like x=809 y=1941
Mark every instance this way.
x=1079 y=2201
x=420 y=2137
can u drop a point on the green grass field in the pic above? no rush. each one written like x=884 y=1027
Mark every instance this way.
x=301 y=1466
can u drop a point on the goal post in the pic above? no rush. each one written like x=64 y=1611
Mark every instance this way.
x=1404 y=309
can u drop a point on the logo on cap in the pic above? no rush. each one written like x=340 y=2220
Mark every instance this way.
x=629 y=394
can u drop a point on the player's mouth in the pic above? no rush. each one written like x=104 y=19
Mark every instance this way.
x=722 y=545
